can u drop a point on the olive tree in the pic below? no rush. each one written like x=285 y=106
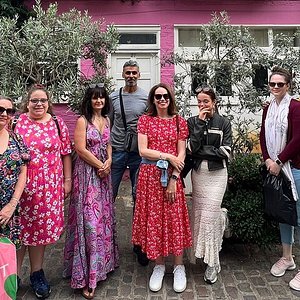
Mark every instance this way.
x=48 y=49
x=228 y=59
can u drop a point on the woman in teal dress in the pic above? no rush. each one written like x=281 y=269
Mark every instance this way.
x=13 y=158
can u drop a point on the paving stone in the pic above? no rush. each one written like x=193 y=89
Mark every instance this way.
x=240 y=276
x=245 y=272
x=250 y=297
x=244 y=287
x=264 y=292
x=232 y=292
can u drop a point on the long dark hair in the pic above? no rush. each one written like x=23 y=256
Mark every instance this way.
x=94 y=91
x=33 y=88
x=152 y=111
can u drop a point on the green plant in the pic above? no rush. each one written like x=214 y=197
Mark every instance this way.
x=244 y=199
x=49 y=48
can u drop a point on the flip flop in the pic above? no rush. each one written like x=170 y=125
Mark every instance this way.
x=88 y=293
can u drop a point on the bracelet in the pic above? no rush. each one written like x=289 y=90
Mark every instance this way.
x=15 y=198
x=68 y=178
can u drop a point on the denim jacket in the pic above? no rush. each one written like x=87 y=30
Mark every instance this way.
x=210 y=140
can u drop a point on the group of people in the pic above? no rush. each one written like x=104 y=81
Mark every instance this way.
x=36 y=175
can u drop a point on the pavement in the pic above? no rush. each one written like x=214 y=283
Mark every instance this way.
x=244 y=275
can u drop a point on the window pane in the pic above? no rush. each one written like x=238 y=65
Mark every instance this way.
x=288 y=32
x=260 y=36
x=137 y=38
x=199 y=76
x=223 y=80
x=190 y=37
x=260 y=79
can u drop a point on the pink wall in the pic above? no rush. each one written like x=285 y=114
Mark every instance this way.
x=166 y=13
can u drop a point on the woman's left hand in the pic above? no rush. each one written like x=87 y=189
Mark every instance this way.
x=67 y=187
x=6 y=213
x=274 y=168
x=105 y=169
x=171 y=190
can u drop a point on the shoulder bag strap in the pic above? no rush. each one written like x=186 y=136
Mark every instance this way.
x=57 y=124
x=122 y=109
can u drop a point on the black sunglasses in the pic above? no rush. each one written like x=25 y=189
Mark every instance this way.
x=160 y=96
x=96 y=85
x=279 y=84
x=9 y=111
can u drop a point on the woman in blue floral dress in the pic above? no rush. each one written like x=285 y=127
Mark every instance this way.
x=13 y=158
x=90 y=250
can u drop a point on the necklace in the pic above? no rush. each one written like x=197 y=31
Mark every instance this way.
x=99 y=122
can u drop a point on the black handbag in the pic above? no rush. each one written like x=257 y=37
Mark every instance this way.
x=279 y=203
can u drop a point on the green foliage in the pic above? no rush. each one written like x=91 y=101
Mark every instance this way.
x=11 y=8
x=244 y=202
x=47 y=49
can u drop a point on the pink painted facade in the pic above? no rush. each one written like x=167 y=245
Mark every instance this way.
x=170 y=13
x=167 y=13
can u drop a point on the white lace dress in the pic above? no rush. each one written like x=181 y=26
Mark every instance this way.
x=208 y=220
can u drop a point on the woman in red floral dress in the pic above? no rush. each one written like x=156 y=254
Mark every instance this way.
x=161 y=223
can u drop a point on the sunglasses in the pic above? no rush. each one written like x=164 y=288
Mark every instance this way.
x=279 y=84
x=203 y=89
x=160 y=96
x=36 y=100
x=131 y=72
x=9 y=111
x=96 y=85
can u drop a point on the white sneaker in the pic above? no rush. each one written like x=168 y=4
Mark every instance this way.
x=179 y=284
x=282 y=265
x=156 y=279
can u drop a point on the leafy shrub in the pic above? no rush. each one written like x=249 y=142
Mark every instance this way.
x=243 y=200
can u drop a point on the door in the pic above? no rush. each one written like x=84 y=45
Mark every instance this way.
x=149 y=68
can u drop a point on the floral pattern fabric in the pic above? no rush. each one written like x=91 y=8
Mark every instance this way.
x=11 y=161
x=160 y=227
x=42 y=201
x=90 y=249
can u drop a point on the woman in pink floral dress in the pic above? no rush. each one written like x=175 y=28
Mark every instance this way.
x=48 y=182
x=161 y=223
x=91 y=250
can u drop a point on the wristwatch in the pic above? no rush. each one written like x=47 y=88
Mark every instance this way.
x=174 y=177
x=278 y=162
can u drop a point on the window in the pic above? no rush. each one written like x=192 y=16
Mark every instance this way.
x=288 y=32
x=260 y=79
x=223 y=80
x=260 y=36
x=199 y=76
x=137 y=38
x=190 y=37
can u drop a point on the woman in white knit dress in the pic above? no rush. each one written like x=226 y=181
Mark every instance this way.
x=210 y=141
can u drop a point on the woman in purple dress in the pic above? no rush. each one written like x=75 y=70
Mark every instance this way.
x=90 y=250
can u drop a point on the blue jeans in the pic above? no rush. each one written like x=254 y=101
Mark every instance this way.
x=287 y=231
x=120 y=161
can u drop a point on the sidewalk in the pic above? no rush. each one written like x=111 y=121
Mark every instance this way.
x=245 y=271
